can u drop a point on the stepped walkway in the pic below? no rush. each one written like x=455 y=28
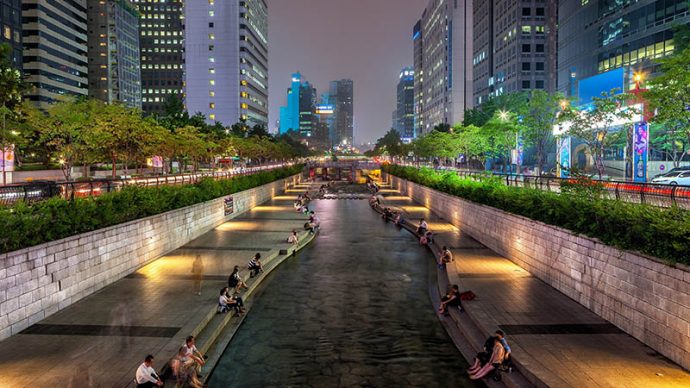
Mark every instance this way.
x=104 y=337
x=555 y=341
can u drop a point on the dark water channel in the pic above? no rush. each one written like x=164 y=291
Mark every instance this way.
x=350 y=310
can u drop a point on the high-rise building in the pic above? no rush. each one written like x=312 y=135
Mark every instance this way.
x=11 y=24
x=226 y=60
x=161 y=44
x=405 y=105
x=54 y=57
x=445 y=67
x=596 y=36
x=300 y=112
x=113 y=40
x=341 y=91
x=515 y=47
x=418 y=52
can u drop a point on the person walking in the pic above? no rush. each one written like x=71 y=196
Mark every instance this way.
x=198 y=274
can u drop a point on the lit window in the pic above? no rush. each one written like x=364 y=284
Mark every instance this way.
x=211 y=59
x=212 y=116
x=212 y=82
x=526 y=29
x=7 y=32
x=211 y=13
x=212 y=105
x=211 y=93
x=212 y=71
x=211 y=36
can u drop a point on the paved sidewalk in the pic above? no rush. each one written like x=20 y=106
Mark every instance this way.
x=554 y=338
x=106 y=335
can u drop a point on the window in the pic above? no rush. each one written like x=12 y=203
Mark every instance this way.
x=211 y=93
x=211 y=47
x=539 y=66
x=540 y=11
x=7 y=32
x=526 y=11
x=212 y=71
x=211 y=13
x=539 y=29
x=539 y=48
x=212 y=105
x=211 y=36
x=212 y=116
x=212 y=59
x=526 y=29
x=212 y=82
x=526 y=84
x=211 y=25
x=526 y=66
x=539 y=84
x=526 y=48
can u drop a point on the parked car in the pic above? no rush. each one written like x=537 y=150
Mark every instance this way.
x=681 y=177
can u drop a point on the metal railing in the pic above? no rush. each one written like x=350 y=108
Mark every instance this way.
x=644 y=193
x=37 y=191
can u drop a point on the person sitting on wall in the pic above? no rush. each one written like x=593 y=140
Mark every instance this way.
x=483 y=357
x=235 y=281
x=497 y=357
x=445 y=256
x=255 y=267
x=398 y=219
x=184 y=372
x=146 y=376
x=422 y=227
x=452 y=298
x=226 y=302
x=293 y=239
x=427 y=238
x=314 y=222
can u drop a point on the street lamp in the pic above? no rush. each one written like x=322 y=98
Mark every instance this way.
x=564 y=104
x=503 y=115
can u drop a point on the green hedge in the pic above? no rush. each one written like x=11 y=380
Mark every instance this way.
x=25 y=225
x=659 y=232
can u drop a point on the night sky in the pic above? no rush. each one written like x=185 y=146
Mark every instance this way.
x=368 y=41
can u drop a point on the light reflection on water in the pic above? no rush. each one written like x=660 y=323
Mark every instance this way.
x=351 y=310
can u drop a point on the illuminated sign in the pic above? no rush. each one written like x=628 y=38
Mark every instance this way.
x=614 y=120
x=325 y=109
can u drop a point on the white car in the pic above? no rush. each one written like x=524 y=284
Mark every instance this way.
x=681 y=178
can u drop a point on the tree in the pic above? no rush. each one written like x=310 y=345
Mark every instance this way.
x=501 y=132
x=540 y=114
x=390 y=143
x=669 y=94
x=11 y=88
x=595 y=123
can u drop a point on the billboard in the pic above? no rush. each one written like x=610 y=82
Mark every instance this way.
x=604 y=82
x=325 y=109
x=7 y=158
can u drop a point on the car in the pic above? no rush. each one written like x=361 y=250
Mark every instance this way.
x=682 y=168
x=681 y=177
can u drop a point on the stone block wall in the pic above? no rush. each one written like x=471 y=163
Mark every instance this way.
x=645 y=298
x=38 y=281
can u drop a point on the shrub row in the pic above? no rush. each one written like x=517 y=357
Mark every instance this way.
x=659 y=232
x=25 y=225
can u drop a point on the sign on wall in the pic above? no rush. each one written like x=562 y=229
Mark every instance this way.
x=229 y=205
x=640 y=151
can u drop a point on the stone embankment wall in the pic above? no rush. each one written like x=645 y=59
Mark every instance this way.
x=642 y=296
x=38 y=281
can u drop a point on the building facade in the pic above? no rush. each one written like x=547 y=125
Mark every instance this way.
x=445 y=67
x=418 y=54
x=515 y=45
x=55 y=47
x=113 y=40
x=299 y=115
x=342 y=95
x=404 y=114
x=602 y=35
x=11 y=24
x=226 y=58
x=161 y=45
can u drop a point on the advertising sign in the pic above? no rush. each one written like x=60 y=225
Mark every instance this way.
x=520 y=150
x=640 y=151
x=157 y=162
x=229 y=205
x=564 y=157
x=7 y=158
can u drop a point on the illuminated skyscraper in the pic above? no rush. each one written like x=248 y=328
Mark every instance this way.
x=226 y=51
x=114 y=59
x=404 y=114
x=342 y=93
x=11 y=24
x=300 y=112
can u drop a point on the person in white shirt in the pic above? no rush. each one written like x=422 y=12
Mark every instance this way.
x=193 y=353
x=293 y=239
x=146 y=376
x=422 y=228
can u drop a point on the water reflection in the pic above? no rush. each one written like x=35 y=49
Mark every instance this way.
x=352 y=309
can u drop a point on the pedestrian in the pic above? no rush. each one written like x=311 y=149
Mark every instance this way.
x=198 y=273
x=146 y=376
x=255 y=267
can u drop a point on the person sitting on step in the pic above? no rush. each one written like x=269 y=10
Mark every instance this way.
x=445 y=256
x=255 y=267
x=497 y=356
x=452 y=298
x=227 y=302
x=235 y=281
x=293 y=239
x=422 y=227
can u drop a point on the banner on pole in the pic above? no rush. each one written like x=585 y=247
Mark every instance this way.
x=564 y=157
x=640 y=151
x=157 y=162
x=7 y=158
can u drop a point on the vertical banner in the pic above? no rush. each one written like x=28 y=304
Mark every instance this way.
x=7 y=158
x=157 y=162
x=229 y=205
x=640 y=151
x=520 y=150
x=564 y=157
